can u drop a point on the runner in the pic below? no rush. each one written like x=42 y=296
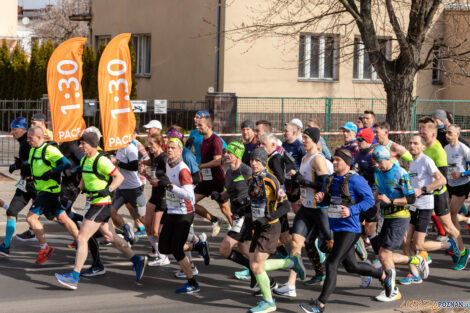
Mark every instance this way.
x=268 y=203
x=96 y=183
x=425 y=177
x=249 y=140
x=428 y=130
x=458 y=159
x=368 y=119
x=213 y=177
x=46 y=163
x=442 y=119
x=349 y=131
x=394 y=191
x=153 y=127
x=25 y=190
x=313 y=171
x=397 y=151
x=347 y=195
x=315 y=122
x=39 y=119
x=180 y=202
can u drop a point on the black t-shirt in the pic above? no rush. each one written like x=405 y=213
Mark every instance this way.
x=23 y=154
x=158 y=164
x=276 y=167
x=236 y=183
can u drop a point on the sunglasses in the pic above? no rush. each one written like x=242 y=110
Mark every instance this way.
x=360 y=139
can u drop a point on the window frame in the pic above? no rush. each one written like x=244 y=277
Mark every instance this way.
x=140 y=49
x=305 y=57
x=99 y=39
x=374 y=78
x=437 y=50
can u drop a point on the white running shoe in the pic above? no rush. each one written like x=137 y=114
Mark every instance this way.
x=286 y=291
x=215 y=228
x=423 y=267
x=396 y=295
x=163 y=260
x=180 y=274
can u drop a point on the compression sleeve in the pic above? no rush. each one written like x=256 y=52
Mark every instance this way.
x=282 y=209
x=407 y=156
x=61 y=164
x=131 y=166
x=185 y=192
x=443 y=170
x=411 y=198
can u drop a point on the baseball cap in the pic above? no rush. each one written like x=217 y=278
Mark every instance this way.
x=296 y=122
x=39 y=117
x=154 y=124
x=380 y=153
x=367 y=134
x=350 y=126
x=203 y=113
x=236 y=148
x=19 y=122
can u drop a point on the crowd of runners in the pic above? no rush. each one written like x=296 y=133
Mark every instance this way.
x=278 y=199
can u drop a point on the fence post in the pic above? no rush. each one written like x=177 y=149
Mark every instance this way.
x=453 y=111
x=413 y=115
x=236 y=114
x=327 y=117
x=282 y=114
x=372 y=106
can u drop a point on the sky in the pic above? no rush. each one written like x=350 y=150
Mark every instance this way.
x=35 y=4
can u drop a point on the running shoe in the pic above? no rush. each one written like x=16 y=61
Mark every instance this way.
x=4 y=251
x=215 y=228
x=423 y=267
x=180 y=274
x=187 y=288
x=463 y=261
x=411 y=279
x=395 y=295
x=361 y=249
x=67 y=280
x=273 y=286
x=163 y=260
x=26 y=236
x=367 y=241
x=389 y=282
x=454 y=248
x=282 y=256
x=298 y=267
x=93 y=271
x=442 y=238
x=319 y=279
x=312 y=307
x=376 y=264
x=285 y=291
x=153 y=254
x=204 y=248
x=139 y=267
x=320 y=253
x=264 y=306
x=129 y=234
x=365 y=281
x=44 y=254
x=140 y=234
x=243 y=275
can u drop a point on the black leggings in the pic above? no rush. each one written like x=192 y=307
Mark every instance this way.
x=174 y=234
x=343 y=252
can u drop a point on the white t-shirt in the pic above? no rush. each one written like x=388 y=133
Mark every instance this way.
x=421 y=171
x=457 y=158
x=131 y=178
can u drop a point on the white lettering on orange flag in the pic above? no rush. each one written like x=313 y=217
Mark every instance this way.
x=114 y=86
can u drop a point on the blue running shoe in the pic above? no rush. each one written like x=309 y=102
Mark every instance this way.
x=264 y=306
x=67 y=280
x=365 y=281
x=320 y=253
x=187 y=288
x=410 y=279
x=204 y=248
x=139 y=267
x=94 y=271
x=141 y=234
x=4 y=251
x=243 y=275
x=454 y=248
x=463 y=261
x=298 y=267
x=319 y=279
x=312 y=307
x=376 y=264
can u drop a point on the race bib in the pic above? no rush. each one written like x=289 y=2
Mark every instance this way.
x=451 y=168
x=206 y=174
x=21 y=185
x=336 y=200
x=257 y=210
x=238 y=224
x=411 y=207
x=88 y=203
x=303 y=193
x=171 y=199
x=333 y=211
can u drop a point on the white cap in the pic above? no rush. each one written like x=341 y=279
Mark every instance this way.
x=297 y=122
x=154 y=124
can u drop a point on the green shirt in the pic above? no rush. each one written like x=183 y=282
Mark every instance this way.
x=92 y=183
x=439 y=156
x=38 y=167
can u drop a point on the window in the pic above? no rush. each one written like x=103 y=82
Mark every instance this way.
x=317 y=57
x=436 y=66
x=101 y=39
x=362 y=68
x=142 y=54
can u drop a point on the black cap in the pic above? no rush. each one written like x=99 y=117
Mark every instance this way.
x=39 y=117
x=248 y=124
x=313 y=133
x=261 y=155
x=91 y=138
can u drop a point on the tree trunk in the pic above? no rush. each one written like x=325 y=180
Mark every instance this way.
x=399 y=105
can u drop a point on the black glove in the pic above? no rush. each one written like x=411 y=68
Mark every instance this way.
x=164 y=181
x=215 y=195
x=12 y=168
x=261 y=221
x=299 y=179
x=104 y=192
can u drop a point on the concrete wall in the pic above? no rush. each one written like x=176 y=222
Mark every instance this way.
x=182 y=49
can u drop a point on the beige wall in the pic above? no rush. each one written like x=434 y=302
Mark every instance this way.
x=182 y=54
x=8 y=18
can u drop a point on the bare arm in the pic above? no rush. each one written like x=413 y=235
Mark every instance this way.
x=117 y=179
x=217 y=161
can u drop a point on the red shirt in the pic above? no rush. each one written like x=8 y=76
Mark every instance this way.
x=209 y=148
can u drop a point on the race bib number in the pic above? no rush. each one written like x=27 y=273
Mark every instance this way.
x=206 y=174
x=171 y=199
x=333 y=211
x=303 y=193
x=21 y=185
x=257 y=210
x=335 y=200
x=451 y=168
x=238 y=224
x=411 y=207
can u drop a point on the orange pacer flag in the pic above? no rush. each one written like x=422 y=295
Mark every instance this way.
x=114 y=86
x=64 y=76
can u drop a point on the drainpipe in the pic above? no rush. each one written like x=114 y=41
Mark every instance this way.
x=217 y=46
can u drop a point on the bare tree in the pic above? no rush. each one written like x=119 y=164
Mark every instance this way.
x=55 y=23
x=409 y=24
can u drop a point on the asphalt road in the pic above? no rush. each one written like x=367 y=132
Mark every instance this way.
x=27 y=287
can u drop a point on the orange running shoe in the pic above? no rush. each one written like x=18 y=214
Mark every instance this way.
x=44 y=254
